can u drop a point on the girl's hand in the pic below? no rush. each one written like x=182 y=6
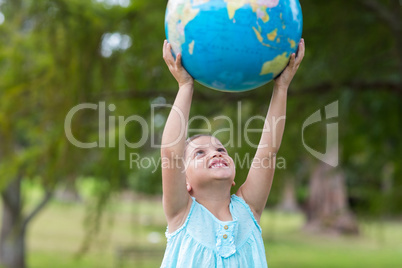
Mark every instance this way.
x=287 y=75
x=175 y=67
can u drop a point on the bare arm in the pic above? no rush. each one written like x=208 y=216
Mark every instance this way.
x=258 y=184
x=175 y=196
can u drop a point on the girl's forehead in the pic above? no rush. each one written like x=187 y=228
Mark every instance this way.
x=204 y=141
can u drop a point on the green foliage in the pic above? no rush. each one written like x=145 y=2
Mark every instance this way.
x=51 y=60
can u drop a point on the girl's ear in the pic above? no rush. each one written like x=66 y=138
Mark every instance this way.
x=188 y=187
x=233 y=183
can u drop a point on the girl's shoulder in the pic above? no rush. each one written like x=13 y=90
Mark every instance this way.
x=178 y=224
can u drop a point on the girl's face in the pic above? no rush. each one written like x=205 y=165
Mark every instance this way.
x=207 y=160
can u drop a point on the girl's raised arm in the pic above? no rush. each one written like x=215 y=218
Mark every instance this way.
x=257 y=186
x=175 y=195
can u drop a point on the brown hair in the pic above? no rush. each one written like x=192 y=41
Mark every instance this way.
x=192 y=138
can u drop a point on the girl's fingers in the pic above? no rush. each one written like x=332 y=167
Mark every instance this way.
x=163 y=48
x=292 y=60
x=301 y=50
x=167 y=53
x=178 y=60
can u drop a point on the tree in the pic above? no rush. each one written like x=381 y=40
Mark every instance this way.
x=51 y=60
x=328 y=209
x=369 y=104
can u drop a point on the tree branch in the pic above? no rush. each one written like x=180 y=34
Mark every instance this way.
x=11 y=194
x=392 y=16
x=355 y=85
x=388 y=15
x=322 y=88
x=4 y=198
x=48 y=195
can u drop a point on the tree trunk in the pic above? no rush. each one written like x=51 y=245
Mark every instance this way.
x=12 y=234
x=68 y=193
x=289 y=201
x=328 y=209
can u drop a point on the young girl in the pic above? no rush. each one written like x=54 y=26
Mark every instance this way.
x=208 y=227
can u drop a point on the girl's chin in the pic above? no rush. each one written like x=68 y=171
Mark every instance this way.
x=223 y=174
x=223 y=177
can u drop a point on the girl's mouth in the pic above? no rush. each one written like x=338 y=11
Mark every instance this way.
x=218 y=163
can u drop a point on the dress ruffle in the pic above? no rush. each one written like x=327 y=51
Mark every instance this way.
x=225 y=239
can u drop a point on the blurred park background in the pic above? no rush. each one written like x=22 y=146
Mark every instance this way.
x=62 y=206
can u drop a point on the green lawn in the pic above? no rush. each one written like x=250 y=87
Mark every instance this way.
x=55 y=236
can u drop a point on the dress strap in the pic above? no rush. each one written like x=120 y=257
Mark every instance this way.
x=247 y=207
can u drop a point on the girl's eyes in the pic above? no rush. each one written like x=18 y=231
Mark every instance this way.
x=201 y=152
x=198 y=153
x=221 y=150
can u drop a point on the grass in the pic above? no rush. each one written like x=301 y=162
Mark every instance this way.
x=55 y=236
x=287 y=246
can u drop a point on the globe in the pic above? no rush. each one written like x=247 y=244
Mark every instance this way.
x=234 y=45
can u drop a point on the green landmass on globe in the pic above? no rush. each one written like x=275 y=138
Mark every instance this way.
x=234 y=45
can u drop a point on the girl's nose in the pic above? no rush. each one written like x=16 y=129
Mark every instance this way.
x=217 y=154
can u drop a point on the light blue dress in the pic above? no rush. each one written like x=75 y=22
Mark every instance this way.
x=206 y=242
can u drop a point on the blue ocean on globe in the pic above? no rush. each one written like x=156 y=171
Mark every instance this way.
x=234 y=45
